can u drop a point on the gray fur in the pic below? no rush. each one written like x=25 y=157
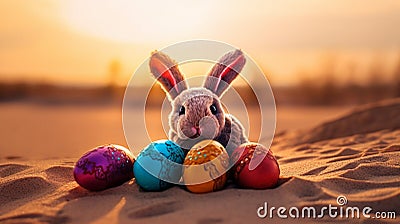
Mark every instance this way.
x=222 y=127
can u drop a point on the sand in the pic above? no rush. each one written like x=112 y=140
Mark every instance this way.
x=356 y=155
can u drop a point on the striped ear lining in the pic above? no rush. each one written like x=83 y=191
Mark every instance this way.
x=165 y=72
x=228 y=69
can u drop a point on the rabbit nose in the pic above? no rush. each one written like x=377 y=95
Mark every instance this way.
x=196 y=130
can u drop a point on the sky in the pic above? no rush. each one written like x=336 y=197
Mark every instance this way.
x=73 y=42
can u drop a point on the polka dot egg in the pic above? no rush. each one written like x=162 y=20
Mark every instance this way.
x=205 y=167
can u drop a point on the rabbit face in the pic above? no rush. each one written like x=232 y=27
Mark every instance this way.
x=197 y=114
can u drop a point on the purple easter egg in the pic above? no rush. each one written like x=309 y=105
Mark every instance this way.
x=104 y=167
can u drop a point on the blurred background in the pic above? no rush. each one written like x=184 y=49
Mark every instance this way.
x=64 y=64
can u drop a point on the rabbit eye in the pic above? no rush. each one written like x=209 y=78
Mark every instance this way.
x=182 y=110
x=213 y=109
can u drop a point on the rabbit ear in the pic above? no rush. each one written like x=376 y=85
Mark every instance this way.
x=225 y=71
x=166 y=71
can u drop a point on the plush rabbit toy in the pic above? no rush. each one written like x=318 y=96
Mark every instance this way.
x=197 y=113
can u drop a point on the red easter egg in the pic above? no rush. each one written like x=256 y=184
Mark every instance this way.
x=254 y=166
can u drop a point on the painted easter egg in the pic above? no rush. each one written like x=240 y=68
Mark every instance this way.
x=104 y=167
x=159 y=165
x=263 y=173
x=206 y=165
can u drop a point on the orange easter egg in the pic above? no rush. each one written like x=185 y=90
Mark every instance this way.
x=206 y=165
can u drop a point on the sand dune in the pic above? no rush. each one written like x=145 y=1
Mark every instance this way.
x=374 y=117
x=356 y=156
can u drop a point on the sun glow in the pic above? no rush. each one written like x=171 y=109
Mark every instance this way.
x=137 y=21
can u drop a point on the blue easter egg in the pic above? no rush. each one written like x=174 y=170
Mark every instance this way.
x=158 y=166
